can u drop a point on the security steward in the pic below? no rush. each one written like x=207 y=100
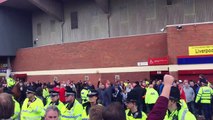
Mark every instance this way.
x=73 y=109
x=204 y=96
x=84 y=93
x=177 y=111
x=93 y=100
x=133 y=112
x=32 y=108
x=55 y=100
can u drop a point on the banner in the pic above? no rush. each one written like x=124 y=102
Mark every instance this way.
x=158 y=61
x=201 y=50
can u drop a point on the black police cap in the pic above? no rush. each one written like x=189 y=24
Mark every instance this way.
x=92 y=93
x=174 y=93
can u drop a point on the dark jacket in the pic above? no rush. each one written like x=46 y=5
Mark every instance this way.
x=140 y=92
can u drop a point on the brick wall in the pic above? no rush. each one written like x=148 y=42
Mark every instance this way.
x=190 y=35
x=115 y=52
x=136 y=76
x=63 y=78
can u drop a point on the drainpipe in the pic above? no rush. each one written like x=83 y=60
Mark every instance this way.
x=108 y=18
x=62 y=32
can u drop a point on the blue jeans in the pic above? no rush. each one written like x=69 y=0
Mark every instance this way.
x=191 y=107
x=207 y=111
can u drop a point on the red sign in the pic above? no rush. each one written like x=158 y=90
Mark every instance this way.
x=158 y=61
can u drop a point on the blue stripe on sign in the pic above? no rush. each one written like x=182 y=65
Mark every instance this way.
x=195 y=60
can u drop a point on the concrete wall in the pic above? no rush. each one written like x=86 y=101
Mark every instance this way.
x=47 y=36
x=15 y=31
x=128 y=17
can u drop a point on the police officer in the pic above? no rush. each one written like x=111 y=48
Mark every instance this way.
x=204 y=95
x=55 y=100
x=177 y=111
x=93 y=100
x=133 y=112
x=84 y=93
x=32 y=108
x=73 y=109
x=45 y=94
x=151 y=97
x=10 y=82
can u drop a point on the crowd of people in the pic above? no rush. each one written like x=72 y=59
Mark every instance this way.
x=166 y=99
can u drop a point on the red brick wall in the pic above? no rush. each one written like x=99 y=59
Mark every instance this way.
x=136 y=76
x=191 y=35
x=63 y=78
x=114 y=52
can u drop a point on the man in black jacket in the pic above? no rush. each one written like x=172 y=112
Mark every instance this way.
x=140 y=93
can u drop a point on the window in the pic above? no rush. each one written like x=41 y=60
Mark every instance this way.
x=74 y=20
x=52 y=25
x=39 y=29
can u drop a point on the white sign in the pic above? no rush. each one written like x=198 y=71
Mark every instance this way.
x=142 y=63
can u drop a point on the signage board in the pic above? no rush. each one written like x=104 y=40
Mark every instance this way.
x=201 y=50
x=158 y=61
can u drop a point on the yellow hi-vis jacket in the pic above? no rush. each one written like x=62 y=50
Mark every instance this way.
x=84 y=96
x=204 y=95
x=60 y=105
x=182 y=114
x=130 y=116
x=16 y=110
x=151 y=96
x=45 y=93
x=10 y=82
x=75 y=113
x=32 y=112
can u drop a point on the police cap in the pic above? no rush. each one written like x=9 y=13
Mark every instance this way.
x=53 y=93
x=31 y=89
x=132 y=96
x=69 y=91
x=174 y=93
x=93 y=93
